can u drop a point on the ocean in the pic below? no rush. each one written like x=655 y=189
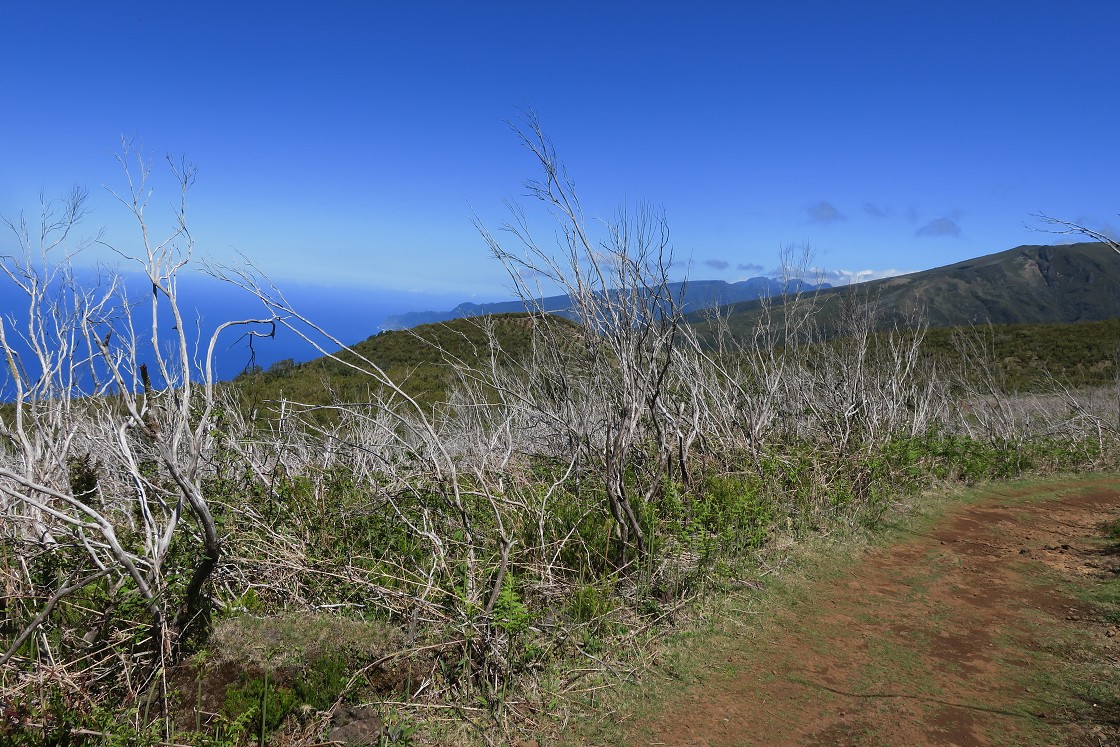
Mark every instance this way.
x=349 y=314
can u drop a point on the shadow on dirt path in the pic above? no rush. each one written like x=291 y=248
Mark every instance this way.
x=994 y=628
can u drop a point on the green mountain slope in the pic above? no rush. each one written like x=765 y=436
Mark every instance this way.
x=1033 y=357
x=416 y=360
x=1024 y=285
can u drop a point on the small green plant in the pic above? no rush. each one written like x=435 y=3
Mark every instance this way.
x=260 y=702
x=397 y=732
x=735 y=511
x=222 y=732
x=510 y=614
x=591 y=604
x=1112 y=530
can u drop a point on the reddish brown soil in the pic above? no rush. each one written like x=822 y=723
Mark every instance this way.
x=950 y=637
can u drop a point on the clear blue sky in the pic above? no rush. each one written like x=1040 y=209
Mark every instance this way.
x=349 y=143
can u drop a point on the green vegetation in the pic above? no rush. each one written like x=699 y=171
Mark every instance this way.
x=1037 y=357
x=1025 y=285
x=425 y=362
x=316 y=688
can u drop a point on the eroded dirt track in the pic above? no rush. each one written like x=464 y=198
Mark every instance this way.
x=957 y=636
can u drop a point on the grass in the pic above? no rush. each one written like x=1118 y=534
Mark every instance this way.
x=1070 y=678
x=298 y=639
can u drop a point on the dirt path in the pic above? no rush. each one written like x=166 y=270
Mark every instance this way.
x=975 y=633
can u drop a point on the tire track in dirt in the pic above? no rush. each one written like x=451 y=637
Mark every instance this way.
x=946 y=638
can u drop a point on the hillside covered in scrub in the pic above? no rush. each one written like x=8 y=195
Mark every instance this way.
x=424 y=362
x=430 y=359
x=332 y=412
x=1025 y=285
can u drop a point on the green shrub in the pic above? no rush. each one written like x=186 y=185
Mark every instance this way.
x=735 y=510
x=317 y=686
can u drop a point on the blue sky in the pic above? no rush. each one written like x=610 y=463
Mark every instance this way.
x=349 y=144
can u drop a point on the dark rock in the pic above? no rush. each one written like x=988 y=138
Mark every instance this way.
x=355 y=725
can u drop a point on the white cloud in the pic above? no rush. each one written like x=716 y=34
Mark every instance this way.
x=850 y=277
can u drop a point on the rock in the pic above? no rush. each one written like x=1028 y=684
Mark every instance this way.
x=355 y=726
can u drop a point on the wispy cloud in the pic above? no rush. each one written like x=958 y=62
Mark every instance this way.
x=944 y=226
x=1065 y=234
x=877 y=211
x=824 y=212
x=717 y=264
x=850 y=277
x=1096 y=224
x=749 y=267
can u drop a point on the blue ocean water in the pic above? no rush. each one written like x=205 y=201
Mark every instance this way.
x=349 y=314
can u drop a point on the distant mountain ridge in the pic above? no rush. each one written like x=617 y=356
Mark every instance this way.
x=698 y=295
x=1029 y=284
